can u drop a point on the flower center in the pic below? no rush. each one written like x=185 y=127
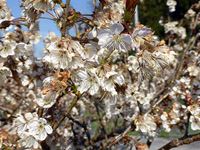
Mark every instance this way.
x=117 y=38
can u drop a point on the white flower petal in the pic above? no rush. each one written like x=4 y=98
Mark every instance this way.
x=94 y=89
x=85 y=85
x=41 y=136
x=119 y=80
x=117 y=28
x=82 y=74
x=104 y=38
x=48 y=129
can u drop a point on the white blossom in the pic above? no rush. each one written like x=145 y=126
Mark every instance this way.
x=23 y=121
x=91 y=52
x=195 y=122
x=112 y=78
x=172 y=5
x=28 y=141
x=92 y=34
x=190 y=13
x=133 y=64
x=110 y=103
x=194 y=109
x=194 y=70
x=47 y=100
x=40 y=129
x=113 y=39
x=146 y=124
x=165 y=122
x=139 y=35
x=89 y=81
x=172 y=27
x=64 y=53
x=7 y=48
x=117 y=11
x=40 y=5
x=4 y=11
x=4 y=73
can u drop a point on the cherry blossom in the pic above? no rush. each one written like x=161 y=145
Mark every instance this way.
x=90 y=81
x=40 y=128
x=7 y=48
x=171 y=4
x=146 y=125
x=112 y=39
x=101 y=77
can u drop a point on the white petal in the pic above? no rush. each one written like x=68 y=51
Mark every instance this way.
x=85 y=85
x=28 y=116
x=127 y=39
x=143 y=128
x=82 y=74
x=94 y=89
x=78 y=47
x=117 y=28
x=92 y=34
x=104 y=37
x=48 y=129
x=36 y=144
x=119 y=80
x=42 y=136
x=195 y=126
x=110 y=73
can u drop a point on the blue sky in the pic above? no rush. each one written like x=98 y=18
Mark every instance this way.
x=46 y=26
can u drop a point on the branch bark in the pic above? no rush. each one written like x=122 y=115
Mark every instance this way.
x=181 y=141
x=71 y=106
x=65 y=15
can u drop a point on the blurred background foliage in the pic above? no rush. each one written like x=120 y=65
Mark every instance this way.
x=151 y=11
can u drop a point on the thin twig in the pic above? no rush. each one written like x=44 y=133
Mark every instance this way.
x=71 y=106
x=65 y=16
x=119 y=137
x=47 y=18
x=82 y=125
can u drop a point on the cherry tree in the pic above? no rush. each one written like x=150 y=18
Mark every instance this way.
x=112 y=85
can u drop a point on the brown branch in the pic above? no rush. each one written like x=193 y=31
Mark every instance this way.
x=6 y=109
x=82 y=125
x=71 y=106
x=119 y=137
x=131 y=4
x=65 y=16
x=103 y=128
x=122 y=135
x=181 y=141
x=187 y=125
x=111 y=135
x=44 y=145
x=11 y=64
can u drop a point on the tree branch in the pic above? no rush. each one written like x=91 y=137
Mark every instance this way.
x=82 y=125
x=64 y=16
x=181 y=141
x=71 y=106
x=103 y=128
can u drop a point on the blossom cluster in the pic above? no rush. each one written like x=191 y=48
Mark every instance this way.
x=31 y=129
x=109 y=76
